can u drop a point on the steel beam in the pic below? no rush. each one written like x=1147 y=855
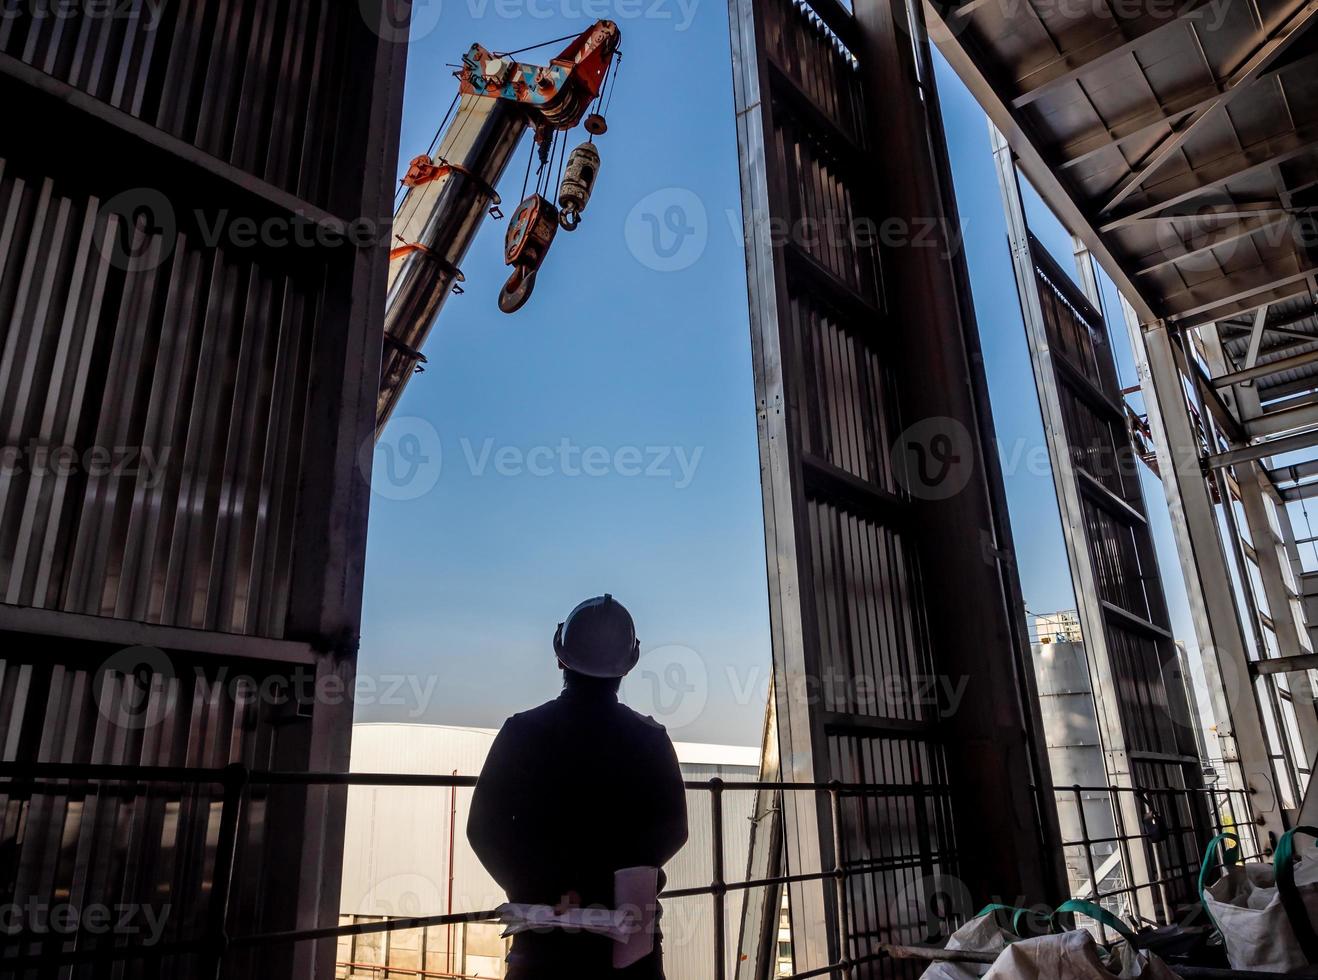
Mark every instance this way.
x=1084 y=576
x=1120 y=42
x=800 y=736
x=1267 y=369
x=1256 y=337
x=1292 y=634
x=1243 y=291
x=1262 y=450
x=757 y=943
x=1288 y=287
x=1215 y=175
x=73 y=111
x=1287 y=665
x=1305 y=491
x=1243 y=228
x=1147 y=124
x=1293 y=473
x=19 y=622
x=1208 y=582
x=1302 y=416
x=1264 y=56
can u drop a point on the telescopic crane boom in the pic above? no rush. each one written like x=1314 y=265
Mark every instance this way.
x=449 y=194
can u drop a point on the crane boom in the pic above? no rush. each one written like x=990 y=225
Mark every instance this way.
x=449 y=194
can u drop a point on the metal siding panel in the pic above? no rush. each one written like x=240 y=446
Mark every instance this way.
x=210 y=360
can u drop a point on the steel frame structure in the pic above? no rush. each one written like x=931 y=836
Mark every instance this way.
x=862 y=544
x=141 y=610
x=1144 y=721
x=1178 y=146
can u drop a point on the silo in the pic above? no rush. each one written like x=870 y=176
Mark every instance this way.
x=1075 y=756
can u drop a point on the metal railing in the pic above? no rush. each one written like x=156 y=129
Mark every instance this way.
x=1173 y=849
x=216 y=944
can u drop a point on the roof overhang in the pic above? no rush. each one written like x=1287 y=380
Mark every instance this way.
x=1178 y=140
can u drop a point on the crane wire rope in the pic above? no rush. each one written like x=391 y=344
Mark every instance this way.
x=439 y=132
x=542 y=44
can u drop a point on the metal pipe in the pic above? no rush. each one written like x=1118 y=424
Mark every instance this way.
x=452 y=837
x=718 y=885
x=1089 y=854
x=226 y=860
x=840 y=883
x=434 y=227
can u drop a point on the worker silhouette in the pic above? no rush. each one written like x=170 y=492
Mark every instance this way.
x=574 y=791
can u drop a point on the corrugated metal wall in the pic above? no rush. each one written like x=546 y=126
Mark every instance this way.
x=883 y=590
x=150 y=847
x=190 y=374
x=189 y=344
x=256 y=84
x=1133 y=629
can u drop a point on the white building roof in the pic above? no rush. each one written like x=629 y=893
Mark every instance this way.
x=417 y=737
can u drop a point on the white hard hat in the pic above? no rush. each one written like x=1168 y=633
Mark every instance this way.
x=598 y=639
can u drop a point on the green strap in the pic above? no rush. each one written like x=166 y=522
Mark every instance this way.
x=1099 y=914
x=1283 y=864
x=1228 y=860
x=1016 y=913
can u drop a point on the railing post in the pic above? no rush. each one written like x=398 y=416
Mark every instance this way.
x=840 y=880
x=1089 y=855
x=719 y=885
x=235 y=779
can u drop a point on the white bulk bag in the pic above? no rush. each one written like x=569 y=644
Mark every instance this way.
x=1068 y=956
x=982 y=934
x=1265 y=913
x=1073 y=956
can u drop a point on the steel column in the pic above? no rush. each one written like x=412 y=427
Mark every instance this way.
x=1107 y=682
x=1208 y=584
x=860 y=551
x=1292 y=635
x=799 y=733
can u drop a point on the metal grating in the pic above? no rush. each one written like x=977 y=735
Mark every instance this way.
x=1139 y=693
x=150 y=847
x=871 y=633
x=899 y=850
x=150 y=380
x=851 y=533
x=257 y=84
x=848 y=409
x=189 y=335
x=1114 y=528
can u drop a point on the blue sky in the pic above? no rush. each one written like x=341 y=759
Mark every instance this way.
x=466 y=583
x=633 y=364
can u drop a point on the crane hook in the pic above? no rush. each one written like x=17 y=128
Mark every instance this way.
x=530 y=233
x=579 y=176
